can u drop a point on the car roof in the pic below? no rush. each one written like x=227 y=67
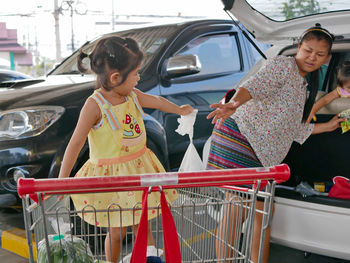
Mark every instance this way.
x=264 y=19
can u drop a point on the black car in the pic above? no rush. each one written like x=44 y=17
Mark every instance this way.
x=10 y=75
x=188 y=63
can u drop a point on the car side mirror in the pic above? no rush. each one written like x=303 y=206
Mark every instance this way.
x=182 y=65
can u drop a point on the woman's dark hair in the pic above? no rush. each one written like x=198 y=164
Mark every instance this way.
x=112 y=53
x=343 y=74
x=319 y=33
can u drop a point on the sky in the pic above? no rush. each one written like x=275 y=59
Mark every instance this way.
x=34 y=20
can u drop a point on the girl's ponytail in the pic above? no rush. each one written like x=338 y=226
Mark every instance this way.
x=111 y=53
x=80 y=64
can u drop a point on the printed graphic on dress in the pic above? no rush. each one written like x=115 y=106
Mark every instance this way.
x=132 y=133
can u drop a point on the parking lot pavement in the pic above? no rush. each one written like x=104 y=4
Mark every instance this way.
x=9 y=257
x=13 y=239
x=11 y=217
x=278 y=252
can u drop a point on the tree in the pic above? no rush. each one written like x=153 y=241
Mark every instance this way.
x=295 y=8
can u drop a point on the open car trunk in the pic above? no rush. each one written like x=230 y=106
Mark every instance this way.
x=324 y=155
x=317 y=223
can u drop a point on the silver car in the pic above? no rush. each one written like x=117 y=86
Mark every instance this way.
x=305 y=219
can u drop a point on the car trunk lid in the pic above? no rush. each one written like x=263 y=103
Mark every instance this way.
x=268 y=23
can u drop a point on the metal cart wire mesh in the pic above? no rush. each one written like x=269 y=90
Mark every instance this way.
x=214 y=223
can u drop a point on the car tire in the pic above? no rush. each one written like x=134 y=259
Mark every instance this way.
x=155 y=149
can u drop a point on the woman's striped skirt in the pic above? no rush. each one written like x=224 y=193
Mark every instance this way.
x=229 y=149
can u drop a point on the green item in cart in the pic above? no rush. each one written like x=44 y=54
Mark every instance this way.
x=345 y=125
x=65 y=249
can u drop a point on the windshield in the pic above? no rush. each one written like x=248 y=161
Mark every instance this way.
x=150 y=40
x=282 y=10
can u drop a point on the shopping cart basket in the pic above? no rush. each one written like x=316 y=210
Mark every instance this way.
x=203 y=227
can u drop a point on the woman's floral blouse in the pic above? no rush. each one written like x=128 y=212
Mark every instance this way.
x=272 y=119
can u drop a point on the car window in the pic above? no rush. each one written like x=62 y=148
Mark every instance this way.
x=150 y=40
x=180 y=99
x=262 y=46
x=322 y=72
x=217 y=54
x=8 y=77
x=340 y=58
x=5 y=77
x=212 y=97
x=338 y=105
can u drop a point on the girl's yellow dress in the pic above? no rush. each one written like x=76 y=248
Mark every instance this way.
x=118 y=147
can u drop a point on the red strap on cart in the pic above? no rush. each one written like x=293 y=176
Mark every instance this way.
x=171 y=242
x=140 y=247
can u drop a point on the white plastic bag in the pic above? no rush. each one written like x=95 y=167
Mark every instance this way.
x=151 y=251
x=192 y=161
x=206 y=150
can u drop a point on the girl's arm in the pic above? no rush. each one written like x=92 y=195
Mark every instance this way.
x=162 y=104
x=89 y=116
x=325 y=100
x=223 y=111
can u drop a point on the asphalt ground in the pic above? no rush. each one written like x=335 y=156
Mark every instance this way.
x=14 y=248
x=9 y=257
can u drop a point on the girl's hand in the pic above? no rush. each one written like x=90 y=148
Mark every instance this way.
x=186 y=109
x=223 y=111
x=311 y=117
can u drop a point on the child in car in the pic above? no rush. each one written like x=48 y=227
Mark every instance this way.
x=342 y=90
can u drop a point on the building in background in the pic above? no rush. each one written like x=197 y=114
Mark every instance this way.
x=12 y=55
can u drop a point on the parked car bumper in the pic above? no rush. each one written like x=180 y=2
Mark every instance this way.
x=300 y=224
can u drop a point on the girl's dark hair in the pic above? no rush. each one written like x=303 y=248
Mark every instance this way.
x=343 y=74
x=112 y=53
x=319 y=33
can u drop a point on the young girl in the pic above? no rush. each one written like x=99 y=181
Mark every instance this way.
x=112 y=120
x=267 y=113
x=342 y=90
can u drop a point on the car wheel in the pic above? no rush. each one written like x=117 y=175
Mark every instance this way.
x=155 y=149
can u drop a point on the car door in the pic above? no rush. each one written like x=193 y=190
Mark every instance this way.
x=222 y=66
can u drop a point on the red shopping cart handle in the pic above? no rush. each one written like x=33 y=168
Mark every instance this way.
x=278 y=173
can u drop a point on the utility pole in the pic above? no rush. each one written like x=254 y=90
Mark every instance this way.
x=56 y=15
x=78 y=8
x=113 y=22
x=71 y=24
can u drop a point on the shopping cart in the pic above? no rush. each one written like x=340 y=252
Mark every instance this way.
x=214 y=219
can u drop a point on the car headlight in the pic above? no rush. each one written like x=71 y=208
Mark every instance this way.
x=27 y=122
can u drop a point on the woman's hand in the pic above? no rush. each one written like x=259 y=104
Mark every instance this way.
x=223 y=111
x=334 y=123
x=186 y=109
x=329 y=126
